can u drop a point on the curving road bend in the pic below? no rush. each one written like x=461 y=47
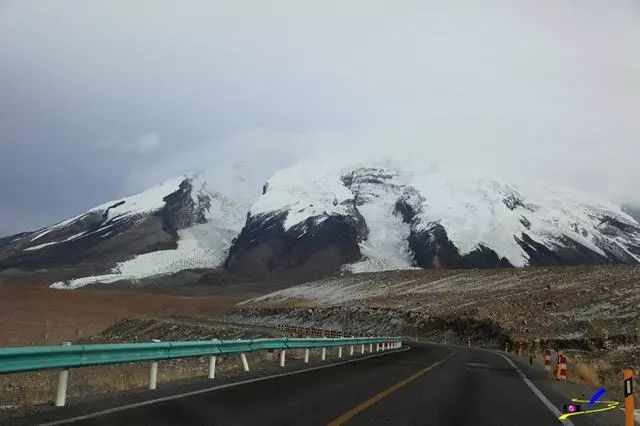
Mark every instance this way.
x=427 y=385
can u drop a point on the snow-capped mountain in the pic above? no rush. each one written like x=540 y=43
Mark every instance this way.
x=633 y=211
x=174 y=226
x=314 y=220
x=363 y=218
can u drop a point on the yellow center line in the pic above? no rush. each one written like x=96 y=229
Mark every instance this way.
x=342 y=419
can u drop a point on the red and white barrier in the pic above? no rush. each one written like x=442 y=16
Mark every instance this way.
x=547 y=359
x=561 y=369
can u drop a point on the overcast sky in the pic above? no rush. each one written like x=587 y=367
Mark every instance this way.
x=100 y=99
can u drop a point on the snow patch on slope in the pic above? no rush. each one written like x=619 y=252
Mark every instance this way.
x=472 y=212
x=145 y=202
x=387 y=246
x=200 y=246
x=304 y=192
x=71 y=238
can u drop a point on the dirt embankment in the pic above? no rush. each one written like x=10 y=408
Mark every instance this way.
x=38 y=315
x=590 y=311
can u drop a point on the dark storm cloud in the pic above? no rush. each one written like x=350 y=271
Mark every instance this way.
x=103 y=98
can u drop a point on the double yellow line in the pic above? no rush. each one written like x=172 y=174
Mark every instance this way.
x=342 y=419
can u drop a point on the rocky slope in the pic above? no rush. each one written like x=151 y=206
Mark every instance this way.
x=572 y=303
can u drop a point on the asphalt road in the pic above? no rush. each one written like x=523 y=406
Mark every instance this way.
x=427 y=385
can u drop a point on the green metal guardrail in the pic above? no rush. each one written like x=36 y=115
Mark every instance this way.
x=34 y=358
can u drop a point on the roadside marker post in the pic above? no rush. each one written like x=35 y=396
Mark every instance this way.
x=362 y=350
x=306 y=356
x=153 y=372
x=469 y=342
x=324 y=354
x=63 y=382
x=283 y=357
x=628 y=397
x=212 y=367
x=245 y=363
x=153 y=376
x=339 y=351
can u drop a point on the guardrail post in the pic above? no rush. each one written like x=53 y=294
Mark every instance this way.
x=306 y=356
x=339 y=351
x=212 y=367
x=245 y=364
x=283 y=357
x=63 y=381
x=153 y=372
x=153 y=376
x=324 y=354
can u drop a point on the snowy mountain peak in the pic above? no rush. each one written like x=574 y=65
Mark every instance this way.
x=430 y=218
x=316 y=219
x=165 y=229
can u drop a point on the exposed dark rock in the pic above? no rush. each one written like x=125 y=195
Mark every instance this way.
x=570 y=252
x=539 y=255
x=317 y=247
x=614 y=227
x=179 y=208
x=512 y=202
x=408 y=205
x=366 y=175
x=203 y=206
x=432 y=248
x=483 y=257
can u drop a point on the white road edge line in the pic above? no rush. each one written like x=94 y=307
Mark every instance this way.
x=211 y=389
x=537 y=392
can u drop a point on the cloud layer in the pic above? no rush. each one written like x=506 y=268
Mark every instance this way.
x=104 y=98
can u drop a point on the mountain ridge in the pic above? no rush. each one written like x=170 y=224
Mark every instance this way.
x=313 y=221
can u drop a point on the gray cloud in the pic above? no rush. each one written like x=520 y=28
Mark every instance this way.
x=540 y=89
x=142 y=145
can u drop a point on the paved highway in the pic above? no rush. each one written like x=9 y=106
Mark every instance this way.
x=427 y=385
